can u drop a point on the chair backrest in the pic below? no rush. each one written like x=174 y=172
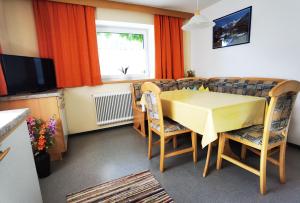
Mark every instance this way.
x=136 y=92
x=283 y=97
x=153 y=104
x=163 y=84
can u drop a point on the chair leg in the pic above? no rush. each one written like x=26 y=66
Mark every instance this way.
x=282 y=162
x=150 y=145
x=162 y=153
x=263 y=171
x=220 y=151
x=194 y=145
x=174 y=142
x=207 y=160
x=243 y=152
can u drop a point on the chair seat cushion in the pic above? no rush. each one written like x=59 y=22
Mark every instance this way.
x=170 y=126
x=255 y=134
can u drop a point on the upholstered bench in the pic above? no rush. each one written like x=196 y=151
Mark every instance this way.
x=259 y=87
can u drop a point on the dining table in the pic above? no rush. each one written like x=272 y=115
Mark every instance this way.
x=209 y=113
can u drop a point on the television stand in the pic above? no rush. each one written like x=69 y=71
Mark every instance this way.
x=43 y=105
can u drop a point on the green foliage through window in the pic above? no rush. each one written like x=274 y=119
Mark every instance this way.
x=128 y=36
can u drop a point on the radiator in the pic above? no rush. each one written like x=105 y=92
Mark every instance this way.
x=113 y=107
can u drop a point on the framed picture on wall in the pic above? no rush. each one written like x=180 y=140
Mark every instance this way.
x=232 y=29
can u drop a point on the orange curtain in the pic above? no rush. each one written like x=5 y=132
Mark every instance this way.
x=67 y=33
x=169 y=62
x=3 y=89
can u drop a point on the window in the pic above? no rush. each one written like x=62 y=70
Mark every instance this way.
x=124 y=52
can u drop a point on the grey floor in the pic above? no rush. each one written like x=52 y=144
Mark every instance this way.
x=97 y=157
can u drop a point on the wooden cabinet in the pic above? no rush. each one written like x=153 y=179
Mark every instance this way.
x=43 y=107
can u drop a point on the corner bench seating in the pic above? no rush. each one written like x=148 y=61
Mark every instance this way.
x=234 y=85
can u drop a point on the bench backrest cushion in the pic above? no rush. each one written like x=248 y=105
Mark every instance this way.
x=190 y=83
x=242 y=86
x=223 y=85
x=166 y=85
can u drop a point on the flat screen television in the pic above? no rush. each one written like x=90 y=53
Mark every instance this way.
x=28 y=74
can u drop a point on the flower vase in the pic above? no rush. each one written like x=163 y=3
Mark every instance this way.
x=42 y=164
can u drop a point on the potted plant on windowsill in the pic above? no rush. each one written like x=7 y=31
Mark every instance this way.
x=124 y=71
x=42 y=138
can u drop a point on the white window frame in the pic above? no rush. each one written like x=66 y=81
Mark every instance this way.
x=146 y=30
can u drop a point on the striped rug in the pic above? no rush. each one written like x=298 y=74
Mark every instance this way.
x=139 y=187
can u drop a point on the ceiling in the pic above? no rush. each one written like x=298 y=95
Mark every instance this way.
x=179 y=5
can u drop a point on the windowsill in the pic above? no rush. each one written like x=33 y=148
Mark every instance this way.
x=126 y=81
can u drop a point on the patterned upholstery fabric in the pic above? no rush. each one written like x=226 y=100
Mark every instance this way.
x=190 y=83
x=242 y=86
x=282 y=112
x=259 y=88
x=152 y=107
x=279 y=122
x=166 y=85
x=222 y=85
x=169 y=125
x=255 y=134
x=137 y=91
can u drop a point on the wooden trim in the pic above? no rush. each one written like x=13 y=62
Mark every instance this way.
x=4 y=153
x=191 y=78
x=179 y=152
x=249 y=78
x=264 y=79
x=242 y=141
x=129 y=7
x=126 y=81
x=270 y=159
x=240 y=164
x=284 y=87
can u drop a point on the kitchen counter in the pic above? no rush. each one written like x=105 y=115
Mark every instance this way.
x=11 y=119
x=18 y=175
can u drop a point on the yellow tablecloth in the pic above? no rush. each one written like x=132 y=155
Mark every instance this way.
x=209 y=113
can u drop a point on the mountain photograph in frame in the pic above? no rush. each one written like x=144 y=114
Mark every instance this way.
x=233 y=29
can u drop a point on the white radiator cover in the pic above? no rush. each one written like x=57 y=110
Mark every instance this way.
x=113 y=107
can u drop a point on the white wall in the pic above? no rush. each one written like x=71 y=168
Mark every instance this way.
x=17 y=28
x=80 y=107
x=274 y=48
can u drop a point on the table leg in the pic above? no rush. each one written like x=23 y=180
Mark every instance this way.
x=205 y=171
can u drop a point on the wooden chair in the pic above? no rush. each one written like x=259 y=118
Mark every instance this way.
x=164 y=127
x=264 y=139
